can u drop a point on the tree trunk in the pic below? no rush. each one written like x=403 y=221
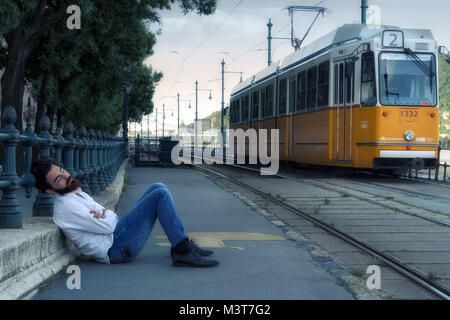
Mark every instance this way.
x=13 y=86
x=13 y=81
x=41 y=101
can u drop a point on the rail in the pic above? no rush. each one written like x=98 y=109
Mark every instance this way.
x=93 y=157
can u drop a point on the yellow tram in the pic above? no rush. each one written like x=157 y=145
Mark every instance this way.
x=361 y=96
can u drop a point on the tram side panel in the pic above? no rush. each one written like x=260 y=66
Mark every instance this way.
x=311 y=137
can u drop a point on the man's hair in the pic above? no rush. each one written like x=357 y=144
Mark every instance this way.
x=40 y=169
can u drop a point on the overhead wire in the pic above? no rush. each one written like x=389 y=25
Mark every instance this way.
x=265 y=40
x=206 y=39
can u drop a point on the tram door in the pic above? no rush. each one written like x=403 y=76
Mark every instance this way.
x=291 y=116
x=342 y=113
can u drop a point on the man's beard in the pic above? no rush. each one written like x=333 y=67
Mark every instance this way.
x=72 y=184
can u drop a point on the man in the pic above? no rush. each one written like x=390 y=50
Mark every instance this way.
x=98 y=233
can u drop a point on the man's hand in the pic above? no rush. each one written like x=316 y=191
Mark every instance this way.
x=98 y=215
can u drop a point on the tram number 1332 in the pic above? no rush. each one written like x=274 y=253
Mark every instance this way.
x=409 y=113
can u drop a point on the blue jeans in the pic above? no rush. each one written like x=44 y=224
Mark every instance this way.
x=133 y=230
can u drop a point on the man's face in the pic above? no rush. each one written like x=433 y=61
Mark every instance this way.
x=61 y=181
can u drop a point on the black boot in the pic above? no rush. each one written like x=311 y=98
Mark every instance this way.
x=193 y=246
x=185 y=255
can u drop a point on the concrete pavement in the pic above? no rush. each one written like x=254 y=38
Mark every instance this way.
x=257 y=260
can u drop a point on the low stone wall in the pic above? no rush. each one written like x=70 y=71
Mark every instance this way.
x=445 y=156
x=39 y=250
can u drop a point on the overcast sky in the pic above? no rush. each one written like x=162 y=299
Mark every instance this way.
x=191 y=47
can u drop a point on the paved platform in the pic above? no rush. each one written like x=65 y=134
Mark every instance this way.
x=257 y=261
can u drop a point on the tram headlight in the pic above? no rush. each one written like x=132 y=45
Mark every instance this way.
x=409 y=135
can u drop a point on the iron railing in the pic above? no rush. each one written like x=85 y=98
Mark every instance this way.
x=92 y=157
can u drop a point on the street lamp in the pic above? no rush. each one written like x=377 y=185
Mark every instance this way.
x=196 y=110
x=178 y=121
x=222 y=128
x=127 y=69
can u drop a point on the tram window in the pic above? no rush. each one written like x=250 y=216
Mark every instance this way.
x=238 y=110
x=246 y=108
x=301 y=91
x=269 y=101
x=368 y=93
x=322 y=93
x=292 y=95
x=336 y=84
x=341 y=83
x=350 y=86
x=233 y=112
x=263 y=103
x=282 y=100
x=311 y=83
x=255 y=103
x=241 y=108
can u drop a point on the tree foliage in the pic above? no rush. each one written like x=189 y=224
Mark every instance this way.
x=79 y=74
x=444 y=100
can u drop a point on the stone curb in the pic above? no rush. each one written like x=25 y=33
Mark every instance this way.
x=33 y=254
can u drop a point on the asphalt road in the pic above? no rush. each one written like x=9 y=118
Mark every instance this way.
x=257 y=261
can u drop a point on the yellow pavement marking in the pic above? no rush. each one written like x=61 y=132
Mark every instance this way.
x=215 y=239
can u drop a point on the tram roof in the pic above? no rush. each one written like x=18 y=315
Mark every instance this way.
x=337 y=37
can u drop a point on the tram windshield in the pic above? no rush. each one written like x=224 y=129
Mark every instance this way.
x=404 y=82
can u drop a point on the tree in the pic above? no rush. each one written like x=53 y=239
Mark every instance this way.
x=444 y=100
x=75 y=72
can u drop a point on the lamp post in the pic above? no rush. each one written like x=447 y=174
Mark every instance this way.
x=125 y=108
x=178 y=120
x=164 y=117
x=222 y=127
x=196 y=111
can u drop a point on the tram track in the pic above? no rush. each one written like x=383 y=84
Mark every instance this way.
x=417 y=276
x=336 y=187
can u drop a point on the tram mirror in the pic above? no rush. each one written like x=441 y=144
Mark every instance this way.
x=349 y=65
x=441 y=50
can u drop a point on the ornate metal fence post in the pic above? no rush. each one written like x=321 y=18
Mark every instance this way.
x=43 y=205
x=99 y=146
x=76 y=155
x=84 y=161
x=114 y=156
x=58 y=144
x=28 y=139
x=108 y=159
x=444 y=179
x=93 y=184
x=10 y=214
x=104 y=159
x=68 y=148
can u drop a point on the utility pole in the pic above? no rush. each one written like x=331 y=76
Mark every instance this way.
x=178 y=120
x=363 y=11
x=222 y=127
x=196 y=114
x=156 y=129
x=164 y=116
x=269 y=40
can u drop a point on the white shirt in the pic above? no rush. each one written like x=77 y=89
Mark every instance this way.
x=92 y=237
